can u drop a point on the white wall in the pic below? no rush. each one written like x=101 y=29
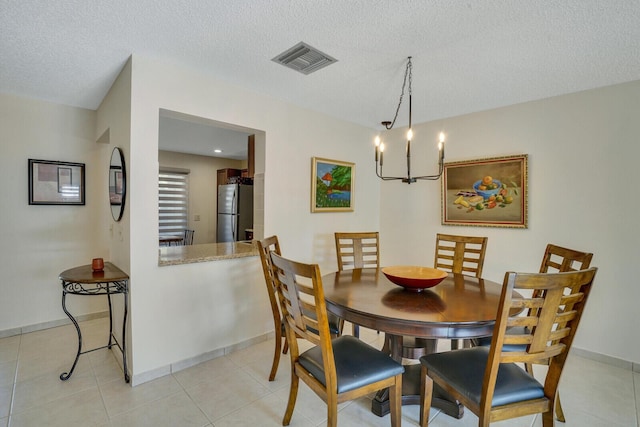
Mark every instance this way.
x=203 y=193
x=183 y=311
x=39 y=242
x=114 y=119
x=583 y=153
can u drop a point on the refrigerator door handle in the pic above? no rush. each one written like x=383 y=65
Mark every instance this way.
x=233 y=226
x=234 y=202
x=234 y=207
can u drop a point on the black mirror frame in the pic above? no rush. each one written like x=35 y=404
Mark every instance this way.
x=117 y=193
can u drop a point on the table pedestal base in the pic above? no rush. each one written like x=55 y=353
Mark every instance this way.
x=411 y=383
x=411 y=396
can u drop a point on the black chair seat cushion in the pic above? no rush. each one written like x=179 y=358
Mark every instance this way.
x=464 y=371
x=516 y=330
x=357 y=363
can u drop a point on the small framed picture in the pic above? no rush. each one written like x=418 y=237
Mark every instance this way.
x=56 y=183
x=331 y=185
x=486 y=192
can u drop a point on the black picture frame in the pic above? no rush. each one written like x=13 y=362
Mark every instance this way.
x=56 y=183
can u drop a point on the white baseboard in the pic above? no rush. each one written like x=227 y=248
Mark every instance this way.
x=609 y=360
x=51 y=324
x=192 y=361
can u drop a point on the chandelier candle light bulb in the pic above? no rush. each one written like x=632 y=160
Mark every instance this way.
x=379 y=150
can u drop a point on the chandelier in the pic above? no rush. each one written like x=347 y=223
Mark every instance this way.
x=389 y=125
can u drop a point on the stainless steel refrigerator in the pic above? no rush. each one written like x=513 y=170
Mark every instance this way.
x=235 y=211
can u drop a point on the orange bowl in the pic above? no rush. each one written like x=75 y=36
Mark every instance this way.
x=414 y=278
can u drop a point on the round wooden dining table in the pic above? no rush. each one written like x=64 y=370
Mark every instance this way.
x=459 y=307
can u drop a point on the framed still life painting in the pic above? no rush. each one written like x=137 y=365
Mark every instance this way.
x=486 y=192
x=331 y=185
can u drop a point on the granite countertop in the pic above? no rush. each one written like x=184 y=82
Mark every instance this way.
x=176 y=255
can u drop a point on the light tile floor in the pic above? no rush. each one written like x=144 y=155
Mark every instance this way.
x=233 y=390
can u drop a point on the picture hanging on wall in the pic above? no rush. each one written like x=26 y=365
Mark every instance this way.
x=486 y=192
x=331 y=185
x=56 y=183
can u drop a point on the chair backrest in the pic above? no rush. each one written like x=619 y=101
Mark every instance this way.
x=188 y=237
x=562 y=259
x=265 y=247
x=460 y=254
x=358 y=250
x=304 y=310
x=550 y=324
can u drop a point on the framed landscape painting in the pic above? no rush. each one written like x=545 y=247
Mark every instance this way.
x=331 y=185
x=486 y=192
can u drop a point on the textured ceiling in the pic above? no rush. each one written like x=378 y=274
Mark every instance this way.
x=467 y=55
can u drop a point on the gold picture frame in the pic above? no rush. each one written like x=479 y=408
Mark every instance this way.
x=490 y=192
x=332 y=185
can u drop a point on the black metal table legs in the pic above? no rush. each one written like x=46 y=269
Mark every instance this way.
x=110 y=289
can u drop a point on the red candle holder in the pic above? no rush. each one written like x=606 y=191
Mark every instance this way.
x=97 y=264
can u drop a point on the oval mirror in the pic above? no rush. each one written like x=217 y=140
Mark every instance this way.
x=117 y=184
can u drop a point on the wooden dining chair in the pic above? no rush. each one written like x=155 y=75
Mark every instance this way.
x=556 y=259
x=460 y=254
x=455 y=254
x=487 y=380
x=357 y=250
x=338 y=369
x=265 y=247
x=559 y=259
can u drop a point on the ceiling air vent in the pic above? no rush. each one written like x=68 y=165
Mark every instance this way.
x=304 y=58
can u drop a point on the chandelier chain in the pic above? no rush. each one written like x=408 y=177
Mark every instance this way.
x=407 y=73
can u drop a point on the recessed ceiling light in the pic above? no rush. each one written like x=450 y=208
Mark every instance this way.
x=217 y=150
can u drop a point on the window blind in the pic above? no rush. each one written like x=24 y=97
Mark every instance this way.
x=173 y=205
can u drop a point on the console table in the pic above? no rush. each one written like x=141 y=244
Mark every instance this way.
x=84 y=281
